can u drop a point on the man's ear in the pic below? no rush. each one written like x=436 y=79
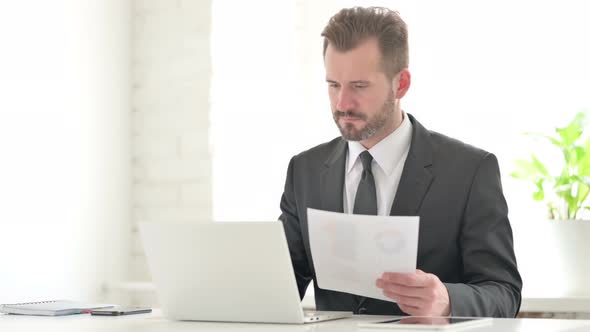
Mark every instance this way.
x=401 y=83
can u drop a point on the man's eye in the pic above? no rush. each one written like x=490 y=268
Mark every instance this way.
x=360 y=86
x=333 y=85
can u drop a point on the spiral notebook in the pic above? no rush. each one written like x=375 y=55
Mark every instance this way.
x=51 y=308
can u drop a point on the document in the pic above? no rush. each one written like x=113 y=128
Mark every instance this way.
x=350 y=252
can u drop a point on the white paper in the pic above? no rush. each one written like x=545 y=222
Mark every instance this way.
x=350 y=252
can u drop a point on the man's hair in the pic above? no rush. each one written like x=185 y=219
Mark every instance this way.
x=352 y=26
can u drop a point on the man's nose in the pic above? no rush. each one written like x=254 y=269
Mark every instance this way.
x=345 y=100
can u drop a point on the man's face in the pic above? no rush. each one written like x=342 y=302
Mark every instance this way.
x=361 y=96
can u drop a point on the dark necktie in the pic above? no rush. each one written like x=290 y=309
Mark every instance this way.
x=365 y=202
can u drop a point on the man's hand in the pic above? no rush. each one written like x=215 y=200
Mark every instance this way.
x=417 y=294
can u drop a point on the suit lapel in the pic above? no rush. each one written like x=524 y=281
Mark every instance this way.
x=416 y=175
x=331 y=195
x=332 y=179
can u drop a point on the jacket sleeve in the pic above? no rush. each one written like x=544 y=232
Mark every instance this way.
x=291 y=223
x=492 y=285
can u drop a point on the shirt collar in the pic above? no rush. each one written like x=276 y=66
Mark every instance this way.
x=388 y=151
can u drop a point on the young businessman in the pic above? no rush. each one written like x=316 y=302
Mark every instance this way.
x=387 y=163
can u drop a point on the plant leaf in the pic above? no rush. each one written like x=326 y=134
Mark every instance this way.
x=570 y=134
x=562 y=183
x=526 y=170
x=539 y=166
x=572 y=207
x=582 y=194
x=555 y=141
x=578 y=154
x=539 y=195
x=584 y=162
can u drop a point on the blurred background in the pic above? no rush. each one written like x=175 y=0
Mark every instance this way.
x=121 y=111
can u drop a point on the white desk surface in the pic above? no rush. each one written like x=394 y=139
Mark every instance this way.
x=155 y=322
x=529 y=304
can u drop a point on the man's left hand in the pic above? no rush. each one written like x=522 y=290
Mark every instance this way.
x=417 y=294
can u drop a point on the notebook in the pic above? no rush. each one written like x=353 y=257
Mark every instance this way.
x=51 y=308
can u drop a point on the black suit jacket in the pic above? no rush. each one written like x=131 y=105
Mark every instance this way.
x=465 y=236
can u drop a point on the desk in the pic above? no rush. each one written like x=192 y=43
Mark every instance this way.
x=572 y=307
x=562 y=307
x=155 y=323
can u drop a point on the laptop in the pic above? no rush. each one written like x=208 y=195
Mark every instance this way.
x=226 y=271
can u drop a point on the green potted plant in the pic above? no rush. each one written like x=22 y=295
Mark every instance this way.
x=566 y=195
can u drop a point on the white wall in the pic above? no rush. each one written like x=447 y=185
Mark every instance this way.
x=64 y=148
x=171 y=71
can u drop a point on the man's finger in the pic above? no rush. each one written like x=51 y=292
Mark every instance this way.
x=405 y=300
x=407 y=279
x=413 y=311
x=419 y=292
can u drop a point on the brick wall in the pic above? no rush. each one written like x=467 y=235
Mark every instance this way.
x=170 y=70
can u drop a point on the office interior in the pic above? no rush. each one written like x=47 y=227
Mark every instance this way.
x=117 y=112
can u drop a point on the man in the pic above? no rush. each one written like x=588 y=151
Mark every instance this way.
x=387 y=163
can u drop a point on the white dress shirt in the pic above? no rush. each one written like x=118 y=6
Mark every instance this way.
x=389 y=156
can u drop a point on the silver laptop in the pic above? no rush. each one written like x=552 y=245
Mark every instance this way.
x=230 y=272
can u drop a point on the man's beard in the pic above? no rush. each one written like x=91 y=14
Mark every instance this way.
x=372 y=126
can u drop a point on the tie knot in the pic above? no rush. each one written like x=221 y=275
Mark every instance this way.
x=366 y=159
